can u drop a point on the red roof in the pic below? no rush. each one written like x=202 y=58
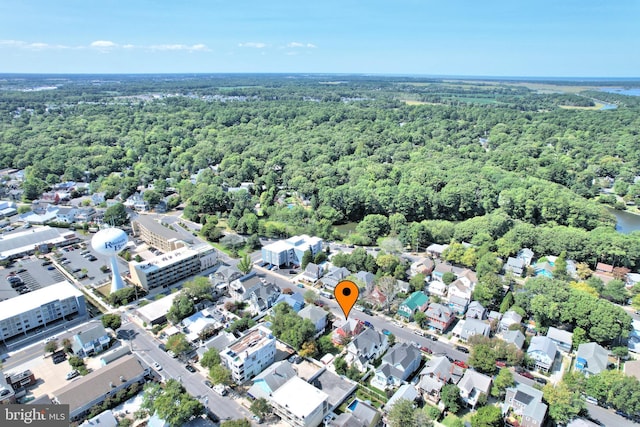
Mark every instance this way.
x=605 y=268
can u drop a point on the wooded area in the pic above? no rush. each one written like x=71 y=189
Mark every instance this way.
x=476 y=161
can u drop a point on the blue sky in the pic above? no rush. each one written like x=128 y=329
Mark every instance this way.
x=449 y=37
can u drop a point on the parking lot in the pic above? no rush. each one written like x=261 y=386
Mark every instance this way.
x=50 y=376
x=76 y=260
x=32 y=274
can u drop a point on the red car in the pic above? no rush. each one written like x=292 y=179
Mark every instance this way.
x=501 y=364
x=426 y=350
x=461 y=364
x=527 y=374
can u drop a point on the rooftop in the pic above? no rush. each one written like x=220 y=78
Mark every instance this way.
x=256 y=337
x=155 y=227
x=17 y=243
x=22 y=303
x=299 y=397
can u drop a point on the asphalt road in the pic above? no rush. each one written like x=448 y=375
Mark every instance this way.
x=146 y=348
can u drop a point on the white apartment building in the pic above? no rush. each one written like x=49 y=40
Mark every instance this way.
x=290 y=251
x=251 y=354
x=167 y=269
x=40 y=308
x=299 y=403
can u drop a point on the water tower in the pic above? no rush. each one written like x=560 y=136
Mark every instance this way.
x=109 y=242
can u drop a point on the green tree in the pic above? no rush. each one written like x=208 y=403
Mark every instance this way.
x=564 y=403
x=241 y=325
x=503 y=380
x=448 y=277
x=198 y=289
x=245 y=265
x=404 y=414
x=507 y=302
x=450 y=395
x=420 y=318
x=51 y=346
x=373 y=226
x=171 y=402
x=310 y=296
x=417 y=282
x=210 y=358
x=236 y=423
x=307 y=257
x=116 y=215
x=112 y=321
x=260 y=407
x=615 y=291
x=253 y=242
x=487 y=416
x=178 y=343
x=483 y=358
x=340 y=365
x=181 y=307
x=152 y=197
x=220 y=375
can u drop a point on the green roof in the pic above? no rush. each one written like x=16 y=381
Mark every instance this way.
x=415 y=300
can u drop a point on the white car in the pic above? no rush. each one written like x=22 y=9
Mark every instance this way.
x=157 y=366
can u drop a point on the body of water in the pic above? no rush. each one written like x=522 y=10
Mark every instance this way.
x=626 y=222
x=621 y=91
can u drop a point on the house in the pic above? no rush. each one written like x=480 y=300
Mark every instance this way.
x=436 y=373
x=476 y=311
x=508 y=319
x=473 y=327
x=377 y=298
x=525 y=255
x=436 y=250
x=514 y=337
x=469 y=278
x=50 y=197
x=241 y=288
x=422 y=266
x=523 y=406
x=634 y=337
x=417 y=301
x=66 y=214
x=601 y=267
x=350 y=328
x=263 y=297
x=226 y=275
x=514 y=265
x=85 y=214
x=591 y=359
x=437 y=288
x=296 y=301
x=563 y=339
x=440 y=270
x=632 y=368
x=7 y=394
x=543 y=351
x=312 y=272
x=331 y=279
x=290 y=252
x=103 y=419
x=439 y=316
x=359 y=414
x=98 y=198
x=400 y=362
x=316 y=315
x=458 y=304
x=300 y=404
x=366 y=346
x=494 y=317
x=473 y=385
x=247 y=356
x=405 y=392
x=271 y=379
x=544 y=269
x=92 y=341
x=365 y=278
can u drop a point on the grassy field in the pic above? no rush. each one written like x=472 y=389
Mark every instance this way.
x=573 y=107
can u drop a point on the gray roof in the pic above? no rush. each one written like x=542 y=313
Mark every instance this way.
x=154 y=226
x=544 y=345
x=366 y=277
x=92 y=334
x=473 y=327
x=312 y=313
x=438 y=367
x=406 y=391
x=365 y=413
x=459 y=301
x=596 y=356
x=402 y=354
x=368 y=339
x=227 y=274
x=511 y=317
x=560 y=335
x=272 y=378
x=473 y=379
x=532 y=399
x=266 y=295
x=439 y=311
x=514 y=337
x=475 y=306
x=219 y=342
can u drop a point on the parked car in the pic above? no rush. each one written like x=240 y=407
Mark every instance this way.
x=591 y=400
x=300 y=285
x=426 y=350
x=172 y=354
x=540 y=380
x=368 y=324
x=461 y=364
x=419 y=332
x=208 y=383
x=157 y=366
x=527 y=374
x=462 y=349
x=386 y=332
x=190 y=368
x=220 y=389
x=51 y=267
x=287 y=291
x=72 y=374
x=433 y=338
x=319 y=303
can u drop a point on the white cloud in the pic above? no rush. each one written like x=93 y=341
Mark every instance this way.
x=301 y=45
x=103 y=44
x=177 y=46
x=33 y=46
x=253 y=45
x=128 y=46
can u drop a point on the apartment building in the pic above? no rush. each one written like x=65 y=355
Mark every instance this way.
x=251 y=354
x=169 y=268
x=40 y=308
